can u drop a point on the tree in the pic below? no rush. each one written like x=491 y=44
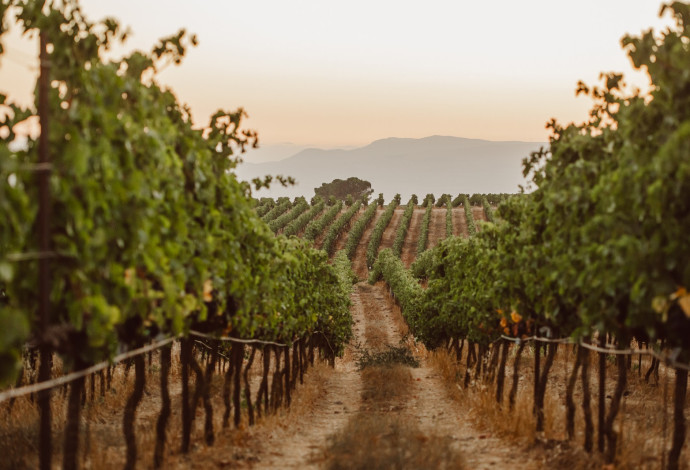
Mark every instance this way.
x=340 y=189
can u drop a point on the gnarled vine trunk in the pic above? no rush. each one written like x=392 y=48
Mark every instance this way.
x=516 y=367
x=679 y=395
x=131 y=410
x=164 y=416
x=569 y=402
x=611 y=434
x=587 y=401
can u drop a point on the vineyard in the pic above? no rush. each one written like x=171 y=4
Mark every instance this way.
x=154 y=314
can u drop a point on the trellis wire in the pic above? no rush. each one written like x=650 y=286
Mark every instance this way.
x=609 y=349
x=72 y=376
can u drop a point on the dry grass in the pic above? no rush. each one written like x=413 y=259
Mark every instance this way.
x=102 y=443
x=242 y=446
x=384 y=384
x=381 y=441
x=640 y=422
x=380 y=436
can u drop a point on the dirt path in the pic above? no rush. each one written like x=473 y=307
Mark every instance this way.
x=300 y=445
x=478 y=214
x=334 y=398
x=359 y=264
x=342 y=238
x=426 y=405
x=460 y=222
x=409 y=251
x=389 y=234
x=319 y=240
x=300 y=232
x=429 y=405
x=437 y=226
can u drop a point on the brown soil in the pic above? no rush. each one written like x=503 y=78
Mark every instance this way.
x=359 y=264
x=389 y=234
x=301 y=232
x=334 y=400
x=428 y=405
x=409 y=251
x=479 y=216
x=318 y=242
x=460 y=222
x=437 y=226
x=478 y=213
x=342 y=238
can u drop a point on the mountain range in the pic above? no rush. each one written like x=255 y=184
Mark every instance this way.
x=435 y=164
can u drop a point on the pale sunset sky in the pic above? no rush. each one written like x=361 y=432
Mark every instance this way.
x=345 y=73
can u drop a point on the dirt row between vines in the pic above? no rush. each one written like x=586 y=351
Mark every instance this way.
x=460 y=222
x=437 y=226
x=389 y=234
x=409 y=251
x=426 y=405
x=359 y=264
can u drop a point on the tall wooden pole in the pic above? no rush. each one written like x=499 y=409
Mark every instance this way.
x=44 y=284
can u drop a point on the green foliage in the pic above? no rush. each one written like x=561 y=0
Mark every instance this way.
x=355 y=235
x=471 y=226
x=460 y=300
x=348 y=200
x=477 y=198
x=300 y=206
x=153 y=232
x=423 y=264
x=444 y=199
x=379 y=200
x=336 y=327
x=598 y=246
x=424 y=231
x=459 y=199
x=377 y=233
x=337 y=228
x=265 y=205
x=488 y=211
x=404 y=225
x=341 y=189
x=317 y=226
x=405 y=289
x=307 y=216
x=281 y=207
x=429 y=200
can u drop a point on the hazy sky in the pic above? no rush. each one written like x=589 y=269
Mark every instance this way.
x=344 y=73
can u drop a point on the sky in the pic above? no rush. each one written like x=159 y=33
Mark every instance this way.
x=331 y=73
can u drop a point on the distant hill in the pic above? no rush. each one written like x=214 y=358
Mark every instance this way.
x=436 y=164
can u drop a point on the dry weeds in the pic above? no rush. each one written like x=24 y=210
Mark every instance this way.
x=102 y=443
x=382 y=441
x=644 y=422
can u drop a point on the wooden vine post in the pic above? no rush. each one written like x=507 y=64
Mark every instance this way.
x=679 y=396
x=131 y=410
x=161 y=424
x=185 y=353
x=601 y=423
x=587 y=401
x=44 y=285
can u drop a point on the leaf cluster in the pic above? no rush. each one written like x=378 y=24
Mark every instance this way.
x=355 y=234
x=377 y=233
